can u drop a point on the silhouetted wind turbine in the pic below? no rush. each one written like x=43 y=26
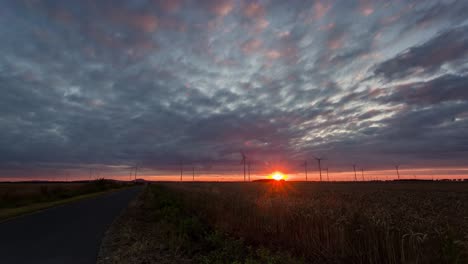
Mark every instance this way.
x=181 y=165
x=243 y=161
x=354 y=168
x=136 y=172
x=320 y=166
x=248 y=168
x=397 y=167
x=305 y=168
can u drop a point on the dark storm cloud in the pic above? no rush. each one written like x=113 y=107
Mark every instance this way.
x=428 y=58
x=441 y=89
x=125 y=82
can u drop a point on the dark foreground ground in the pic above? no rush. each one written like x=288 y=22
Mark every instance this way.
x=67 y=234
x=293 y=223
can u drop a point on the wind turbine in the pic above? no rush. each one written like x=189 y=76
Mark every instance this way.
x=305 y=168
x=243 y=161
x=136 y=172
x=320 y=166
x=248 y=168
x=181 y=165
x=397 y=167
x=354 y=168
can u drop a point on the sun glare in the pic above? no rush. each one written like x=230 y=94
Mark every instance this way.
x=278 y=176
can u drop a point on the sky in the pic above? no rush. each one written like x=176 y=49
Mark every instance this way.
x=97 y=87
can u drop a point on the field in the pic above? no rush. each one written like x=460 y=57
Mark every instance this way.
x=18 y=198
x=287 y=222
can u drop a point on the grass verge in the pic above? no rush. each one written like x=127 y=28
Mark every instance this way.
x=12 y=212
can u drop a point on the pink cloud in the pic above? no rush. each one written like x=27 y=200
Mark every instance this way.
x=146 y=23
x=321 y=9
x=273 y=54
x=256 y=14
x=254 y=10
x=261 y=24
x=221 y=7
x=366 y=8
x=169 y=5
x=251 y=45
x=335 y=43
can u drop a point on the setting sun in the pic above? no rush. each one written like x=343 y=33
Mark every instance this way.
x=278 y=176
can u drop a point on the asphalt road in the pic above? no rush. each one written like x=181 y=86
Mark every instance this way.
x=67 y=234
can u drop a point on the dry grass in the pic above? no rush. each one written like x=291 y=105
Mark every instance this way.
x=138 y=237
x=339 y=222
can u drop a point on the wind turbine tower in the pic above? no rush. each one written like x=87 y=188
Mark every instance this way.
x=243 y=161
x=319 y=160
x=354 y=168
x=248 y=169
x=181 y=165
x=305 y=168
x=397 y=167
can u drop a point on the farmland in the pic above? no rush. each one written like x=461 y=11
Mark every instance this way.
x=287 y=222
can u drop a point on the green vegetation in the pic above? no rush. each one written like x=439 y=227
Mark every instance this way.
x=21 y=198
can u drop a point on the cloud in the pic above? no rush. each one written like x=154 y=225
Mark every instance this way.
x=438 y=90
x=117 y=83
x=428 y=58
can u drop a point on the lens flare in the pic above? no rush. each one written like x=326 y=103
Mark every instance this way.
x=278 y=176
